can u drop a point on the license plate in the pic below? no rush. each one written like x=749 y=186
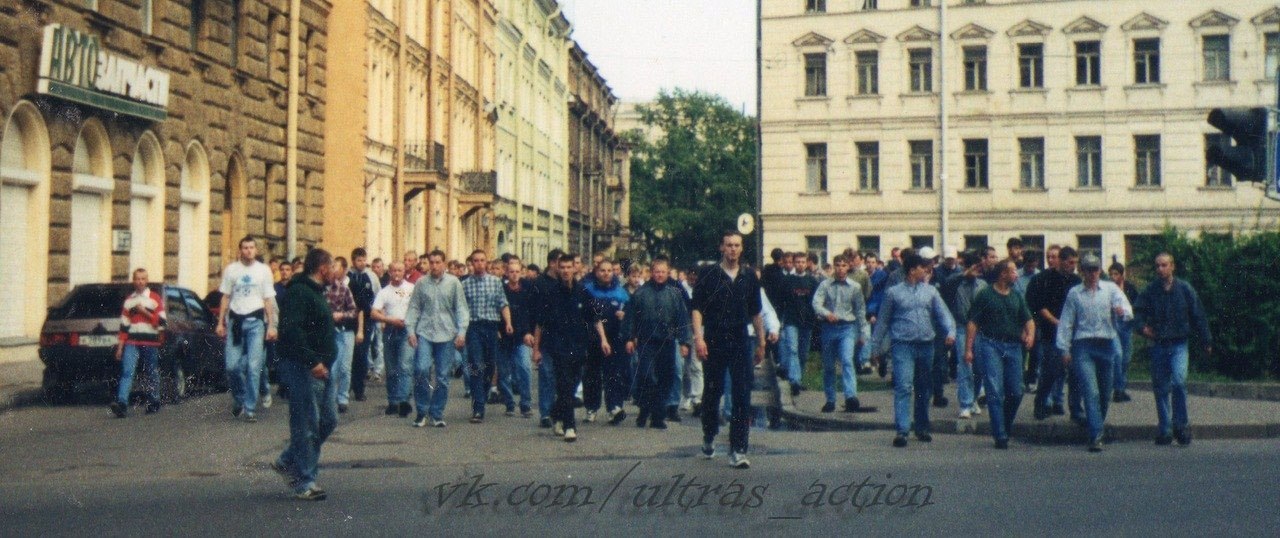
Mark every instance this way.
x=98 y=340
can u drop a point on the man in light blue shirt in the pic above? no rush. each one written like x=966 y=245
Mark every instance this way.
x=1088 y=341
x=907 y=318
x=842 y=314
x=437 y=323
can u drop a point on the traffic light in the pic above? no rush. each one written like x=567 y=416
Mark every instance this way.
x=1247 y=160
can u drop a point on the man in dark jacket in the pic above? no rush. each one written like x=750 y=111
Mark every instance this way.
x=515 y=350
x=656 y=320
x=539 y=288
x=565 y=321
x=307 y=351
x=1046 y=295
x=1168 y=313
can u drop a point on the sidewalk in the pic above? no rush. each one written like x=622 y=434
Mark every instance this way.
x=20 y=383
x=1211 y=418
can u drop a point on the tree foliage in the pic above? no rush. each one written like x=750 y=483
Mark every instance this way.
x=694 y=177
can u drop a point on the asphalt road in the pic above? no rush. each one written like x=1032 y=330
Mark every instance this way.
x=192 y=470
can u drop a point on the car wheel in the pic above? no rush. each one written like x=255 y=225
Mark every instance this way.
x=56 y=391
x=175 y=387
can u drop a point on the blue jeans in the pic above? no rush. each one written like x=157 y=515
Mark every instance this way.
x=482 y=354
x=728 y=354
x=1091 y=360
x=912 y=369
x=376 y=347
x=129 y=363
x=838 y=340
x=264 y=378
x=431 y=401
x=615 y=369
x=546 y=386
x=967 y=380
x=1002 y=368
x=677 y=384
x=1125 y=354
x=793 y=349
x=1169 y=377
x=244 y=363
x=515 y=364
x=398 y=358
x=313 y=415
x=1049 y=386
x=341 y=372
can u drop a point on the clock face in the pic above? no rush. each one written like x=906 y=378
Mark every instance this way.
x=746 y=224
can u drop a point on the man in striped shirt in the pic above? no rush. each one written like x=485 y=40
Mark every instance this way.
x=141 y=321
x=487 y=303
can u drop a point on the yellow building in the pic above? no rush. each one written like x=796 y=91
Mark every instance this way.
x=410 y=137
x=532 y=150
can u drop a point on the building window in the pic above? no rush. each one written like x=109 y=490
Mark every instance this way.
x=1031 y=162
x=1146 y=61
x=1089 y=244
x=1217 y=57
x=1089 y=161
x=869 y=244
x=921 y=3
x=921 y=68
x=817 y=245
x=975 y=69
x=1088 y=63
x=815 y=6
x=1147 y=157
x=816 y=167
x=1213 y=175
x=868 y=72
x=975 y=243
x=1031 y=65
x=815 y=74
x=1272 y=53
x=975 y=164
x=920 y=241
x=869 y=4
x=921 y=164
x=868 y=166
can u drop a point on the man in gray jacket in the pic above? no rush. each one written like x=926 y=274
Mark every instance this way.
x=653 y=322
x=437 y=322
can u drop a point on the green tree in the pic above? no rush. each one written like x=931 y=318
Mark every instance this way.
x=693 y=176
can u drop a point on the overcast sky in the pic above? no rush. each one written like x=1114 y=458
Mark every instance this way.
x=641 y=46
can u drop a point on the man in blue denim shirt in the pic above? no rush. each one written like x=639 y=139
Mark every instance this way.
x=1167 y=313
x=908 y=315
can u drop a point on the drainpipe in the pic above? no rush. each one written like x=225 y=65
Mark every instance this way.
x=943 y=202
x=291 y=138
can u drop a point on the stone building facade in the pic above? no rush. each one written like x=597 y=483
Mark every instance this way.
x=599 y=163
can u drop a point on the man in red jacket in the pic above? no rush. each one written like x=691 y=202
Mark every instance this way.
x=141 y=324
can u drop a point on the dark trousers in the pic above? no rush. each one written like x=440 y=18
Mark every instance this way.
x=482 y=356
x=593 y=376
x=567 y=372
x=654 y=374
x=728 y=353
x=360 y=362
x=941 y=371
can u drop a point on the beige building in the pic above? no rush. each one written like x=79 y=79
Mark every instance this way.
x=410 y=137
x=153 y=134
x=1078 y=122
x=599 y=165
x=532 y=137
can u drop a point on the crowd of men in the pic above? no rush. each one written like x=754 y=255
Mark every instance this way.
x=600 y=333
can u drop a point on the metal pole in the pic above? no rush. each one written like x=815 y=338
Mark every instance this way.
x=759 y=179
x=291 y=134
x=943 y=206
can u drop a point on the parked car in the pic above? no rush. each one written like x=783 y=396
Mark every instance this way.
x=77 y=342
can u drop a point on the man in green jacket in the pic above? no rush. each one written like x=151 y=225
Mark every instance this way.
x=307 y=352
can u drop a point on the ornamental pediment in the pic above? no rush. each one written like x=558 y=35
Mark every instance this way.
x=812 y=39
x=972 y=31
x=1270 y=16
x=1029 y=28
x=864 y=36
x=1144 y=21
x=1084 y=25
x=1214 y=18
x=918 y=33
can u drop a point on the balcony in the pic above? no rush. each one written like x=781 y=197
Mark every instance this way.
x=477 y=189
x=424 y=166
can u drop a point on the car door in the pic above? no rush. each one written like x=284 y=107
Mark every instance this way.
x=206 y=347
x=178 y=331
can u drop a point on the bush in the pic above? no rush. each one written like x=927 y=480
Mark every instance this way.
x=1237 y=277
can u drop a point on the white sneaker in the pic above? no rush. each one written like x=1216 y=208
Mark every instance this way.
x=266 y=401
x=558 y=428
x=686 y=405
x=739 y=461
x=591 y=416
x=570 y=435
x=964 y=413
x=977 y=410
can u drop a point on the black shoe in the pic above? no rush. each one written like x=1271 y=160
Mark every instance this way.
x=1079 y=421
x=851 y=405
x=1041 y=412
x=618 y=417
x=658 y=424
x=865 y=370
x=1164 y=440
x=673 y=414
x=405 y=408
x=1059 y=410
x=1002 y=444
x=392 y=410
x=1095 y=445
x=781 y=373
x=696 y=410
x=829 y=407
x=342 y=408
x=1121 y=397
x=900 y=441
x=153 y=408
x=883 y=368
x=525 y=412
x=982 y=401
x=120 y=410
x=641 y=419
x=477 y=418
x=795 y=390
x=359 y=397
x=577 y=402
x=545 y=422
x=940 y=401
x=1182 y=436
x=924 y=437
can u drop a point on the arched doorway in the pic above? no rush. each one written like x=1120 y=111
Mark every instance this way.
x=234 y=214
x=146 y=208
x=193 y=221
x=24 y=217
x=91 y=187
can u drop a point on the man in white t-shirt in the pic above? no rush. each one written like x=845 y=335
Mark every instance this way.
x=389 y=309
x=248 y=310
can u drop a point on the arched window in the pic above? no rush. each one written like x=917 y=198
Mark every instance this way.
x=234 y=208
x=24 y=214
x=193 y=221
x=146 y=208
x=91 y=187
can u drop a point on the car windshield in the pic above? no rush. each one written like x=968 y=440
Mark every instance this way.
x=89 y=302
